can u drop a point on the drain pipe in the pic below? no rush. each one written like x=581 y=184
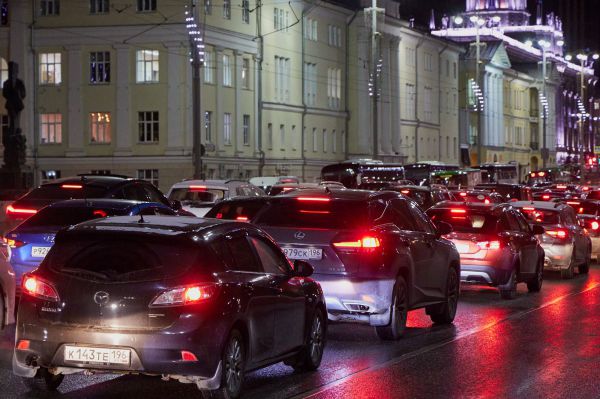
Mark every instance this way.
x=346 y=84
x=439 y=101
x=418 y=125
x=261 y=153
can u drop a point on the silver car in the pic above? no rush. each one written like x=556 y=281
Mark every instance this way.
x=7 y=289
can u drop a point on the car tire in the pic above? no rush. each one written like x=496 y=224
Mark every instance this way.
x=44 y=381
x=234 y=363
x=535 y=284
x=585 y=267
x=445 y=312
x=399 y=313
x=309 y=358
x=509 y=290
x=568 y=273
x=2 y=311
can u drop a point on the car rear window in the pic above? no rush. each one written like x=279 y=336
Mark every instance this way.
x=422 y=198
x=57 y=192
x=192 y=196
x=235 y=210
x=67 y=216
x=465 y=220
x=586 y=208
x=123 y=258
x=541 y=216
x=326 y=214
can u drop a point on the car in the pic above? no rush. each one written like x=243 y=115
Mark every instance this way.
x=375 y=253
x=29 y=242
x=424 y=196
x=7 y=289
x=265 y=182
x=588 y=213
x=474 y=196
x=510 y=192
x=496 y=245
x=199 y=301
x=198 y=196
x=85 y=187
x=566 y=244
x=242 y=209
x=285 y=187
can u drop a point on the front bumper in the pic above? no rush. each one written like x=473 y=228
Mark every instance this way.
x=558 y=257
x=356 y=300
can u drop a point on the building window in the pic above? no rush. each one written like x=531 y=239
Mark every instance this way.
x=410 y=56
x=100 y=127
x=447 y=147
x=98 y=6
x=282 y=79
x=150 y=175
x=333 y=141
x=293 y=137
x=209 y=67
x=270 y=135
x=428 y=62
x=227 y=128
x=246 y=129
x=3 y=127
x=50 y=68
x=310 y=84
x=148 y=126
x=325 y=139
x=3 y=71
x=282 y=136
x=428 y=103
x=314 y=139
x=49 y=7
x=335 y=36
x=227 y=9
x=101 y=172
x=207 y=7
x=454 y=70
x=146 y=5
x=410 y=100
x=334 y=87
x=147 y=66
x=100 y=67
x=51 y=128
x=281 y=19
x=227 y=81
x=447 y=68
x=208 y=126
x=311 y=29
x=246 y=11
x=245 y=73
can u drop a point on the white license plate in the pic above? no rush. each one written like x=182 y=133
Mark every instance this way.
x=39 y=252
x=105 y=356
x=303 y=253
x=462 y=248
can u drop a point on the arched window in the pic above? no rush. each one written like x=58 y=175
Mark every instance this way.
x=3 y=71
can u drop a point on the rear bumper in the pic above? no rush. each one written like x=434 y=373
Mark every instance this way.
x=595 y=247
x=558 y=257
x=356 y=300
x=483 y=274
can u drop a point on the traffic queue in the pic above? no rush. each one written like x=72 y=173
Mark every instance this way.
x=222 y=277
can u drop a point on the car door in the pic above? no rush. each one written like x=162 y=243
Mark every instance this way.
x=527 y=242
x=581 y=239
x=290 y=313
x=260 y=297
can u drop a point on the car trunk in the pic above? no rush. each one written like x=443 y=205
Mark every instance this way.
x=475 y=246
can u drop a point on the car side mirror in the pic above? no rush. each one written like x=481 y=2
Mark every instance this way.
x=538 y=230
x=303 y=269
x=176 y=205
x=444 y=228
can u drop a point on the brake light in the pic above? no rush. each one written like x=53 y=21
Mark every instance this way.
x=542 y=174
x=545 y=197
x=242 y=218
x=197 y=188
x=219 y=215
x=532 y=174
x=315 y=212
x=561 y=187
x=72 y=186
x=23 y=345
x=580 y=210
x=187 y=356
x=528 y=209
x=313 y=199
x=11 y=210
x=487 y=201
x=463 y=194
x=573 y=203
x=38 y=288
x=100 y=213
x=562 y=234
x=492 y=245
x=585 y=188
x=365 y=244
x=458 y=211
x=595 y=225
x=405 y=191
x=185 y=295
x=13 y=243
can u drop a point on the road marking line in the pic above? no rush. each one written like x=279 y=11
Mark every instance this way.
x=475 y=330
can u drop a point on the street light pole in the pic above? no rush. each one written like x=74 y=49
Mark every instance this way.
x=480 y=108
x=196 y=53
x=545 y=151
x=375 y=72
x=582 y=59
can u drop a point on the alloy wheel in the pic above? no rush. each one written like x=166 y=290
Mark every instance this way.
x=234 y=362
x=316 y=339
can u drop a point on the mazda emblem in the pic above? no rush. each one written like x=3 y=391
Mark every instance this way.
x=101 y=298
x=299 y=235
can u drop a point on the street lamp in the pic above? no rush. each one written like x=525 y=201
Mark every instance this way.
x=458 y=20
x=544 y=45
x=584 y=60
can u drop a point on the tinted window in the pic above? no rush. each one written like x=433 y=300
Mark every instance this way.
x=233 y=210
x=196 y=196
x=511 y=221
x=421 y=221
x=241 y=254
x=154 y=195
x=134 y=192
x=272 y=260
x=468 y=221
x=401 y=215
x=570 y=217
x=587 y=208
x=594 y=195
x=522 y=222
x=56 y=192
x=67 y=216
x=541 y=216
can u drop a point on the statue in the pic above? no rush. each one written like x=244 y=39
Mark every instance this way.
x=445 y=22
x=13 y=91
x=550 y=19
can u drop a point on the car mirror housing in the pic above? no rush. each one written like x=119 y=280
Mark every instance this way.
x=303 y=269
x=538 y=230
x=444 y=228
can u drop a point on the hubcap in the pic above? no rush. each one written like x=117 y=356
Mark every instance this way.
x=233 y=366
x=316 y=339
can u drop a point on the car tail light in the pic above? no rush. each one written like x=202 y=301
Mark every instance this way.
x=13 y=211
x=573 y=203
x=13 y=243
x=546 y=197
x=561 y=187
x=542 y=174
x=405 y=192
x=219 y=215
x=23 y=344
x=458 y=211
x=313 y=199
x=491 y=245
x=72 y=186
x=242 y=218
x=486 y=201
x=314 y=212
x=365 y=244
x=100 y=213
x=559 y=233
x=585 y=188
x=38 y=288
x=463 y=194
x=185 y=295
x=595 y=225
x=188 y=356
x=197 y=188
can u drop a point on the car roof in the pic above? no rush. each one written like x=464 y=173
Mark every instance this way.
x=208 y=183
x=545 y=205
x=101 y=203
x=470 y=205
x=512 y=185
x=90 y=180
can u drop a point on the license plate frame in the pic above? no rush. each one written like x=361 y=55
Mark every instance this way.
x=297 y=253
x=39 y=252
x=97 y=355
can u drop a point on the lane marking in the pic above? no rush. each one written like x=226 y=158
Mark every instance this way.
x=475 y=330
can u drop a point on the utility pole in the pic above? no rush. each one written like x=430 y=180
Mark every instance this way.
x=375 y=73
x=197 y=61
x=477 y=79
x=582 y=60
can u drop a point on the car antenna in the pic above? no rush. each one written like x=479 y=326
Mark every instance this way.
x=83 y=181
x=141 y=220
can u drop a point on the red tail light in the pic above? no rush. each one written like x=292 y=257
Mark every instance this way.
x=12 y=211
x=314 y=199
x=185 y=295
x=585 y=188
x=545 y=197
x=188 y=356
x=542 y=174
x=100 y=213
x=242 y=218
x=72 y=186
x=197 y=188
x=595 y=225
x=23 y=345
x=363 y=244
x=491 y=245
x=38 y=288
x=13 y=243
x=463 y=194
x=487 y=201
x=458 y=211
x=219 y=215
x=560 y=233
x=405 y=192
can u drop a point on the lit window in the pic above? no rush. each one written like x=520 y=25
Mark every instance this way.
x=100 y=127
x=209 y=67
x=147 y=66
x=100 y=67
x=50 y=68
x=227 y=128
x=150 y=175
x=146 y=5
x=98 y=6
x=3 y=71
x=49 y=7
x=51 y=128
x=148 y=126
x=334 y=87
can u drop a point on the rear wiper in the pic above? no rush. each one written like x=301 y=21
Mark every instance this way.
x=84 y=272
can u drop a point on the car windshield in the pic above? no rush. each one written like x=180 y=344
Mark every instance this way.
x=465 y=220
x=319 y=214
x=197 y=196
x=541 y=216
x=67 y=216
x=57 y=192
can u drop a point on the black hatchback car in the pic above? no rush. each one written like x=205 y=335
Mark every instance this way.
x=375 y=253
x=195 y=300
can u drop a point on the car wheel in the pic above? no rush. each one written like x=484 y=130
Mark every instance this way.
x=444 y=313
x=509 y=290
x=310 y=356
x=44 y=380
x=535 y=284
x=585 y=268
x=234 y=363
x=568 y=273
x=2 y=311
x=399 y=310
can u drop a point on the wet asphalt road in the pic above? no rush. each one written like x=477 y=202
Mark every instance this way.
x=544 y=345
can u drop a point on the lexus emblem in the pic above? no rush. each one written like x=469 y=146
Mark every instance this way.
x=299 y=235
x=101 y=298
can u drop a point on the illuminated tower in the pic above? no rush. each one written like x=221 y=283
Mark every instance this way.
x=511 y=12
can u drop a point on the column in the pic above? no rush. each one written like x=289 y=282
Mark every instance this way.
x=74 y=104
x=175 y=90
x=237 y=132
x=396 y=96
x=123 y=124
x=218 y=117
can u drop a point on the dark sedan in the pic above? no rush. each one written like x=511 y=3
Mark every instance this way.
x=198 y=301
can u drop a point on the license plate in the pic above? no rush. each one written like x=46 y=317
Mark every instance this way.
x=303 y=253
x=462 y=248
x=39 y=252
x=92 y=355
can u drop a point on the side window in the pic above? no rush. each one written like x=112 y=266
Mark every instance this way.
x=569 y=216
x=272 y=260
x=134 y=192
x=154 y=195
x=376 y=212
x=237 y=254
x=422 y=222
x=509 y=222
x=402 y=216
